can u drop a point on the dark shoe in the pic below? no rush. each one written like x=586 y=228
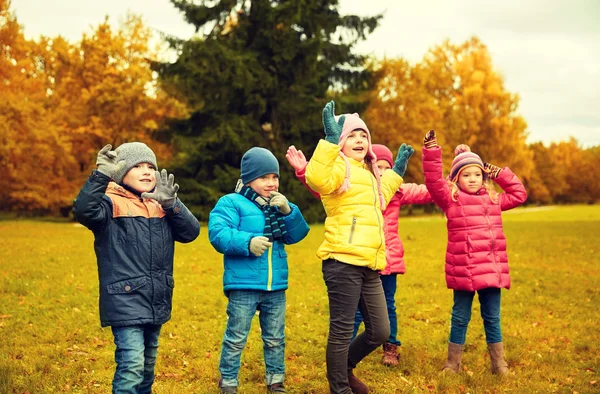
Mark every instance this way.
x=229 y=390
x=356 y=385
x=390 y=354
x=276 y=388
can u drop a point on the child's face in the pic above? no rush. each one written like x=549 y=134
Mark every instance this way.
x=356 y=145
x=383 y=166
x=265 y=184
x=470 y=179
x=141 y=177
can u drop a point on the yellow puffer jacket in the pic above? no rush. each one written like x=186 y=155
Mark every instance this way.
x=354 y=224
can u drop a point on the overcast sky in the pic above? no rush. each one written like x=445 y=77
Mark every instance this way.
x=547 y=50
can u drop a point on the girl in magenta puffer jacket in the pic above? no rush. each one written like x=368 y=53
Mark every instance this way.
x=476 y=259
x=408 y=193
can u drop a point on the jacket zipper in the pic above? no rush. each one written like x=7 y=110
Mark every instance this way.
x=352 y=229
x=373 y=188
x=493 y=241
x=270 y=263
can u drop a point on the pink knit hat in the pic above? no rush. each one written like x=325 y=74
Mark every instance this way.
x=383 y=153
x=353 y=122
x=464 y=158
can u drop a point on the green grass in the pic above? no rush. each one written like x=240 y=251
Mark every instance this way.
x=51 y=340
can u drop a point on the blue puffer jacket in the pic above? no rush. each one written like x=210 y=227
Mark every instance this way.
x=232 y=223
x=134 y=244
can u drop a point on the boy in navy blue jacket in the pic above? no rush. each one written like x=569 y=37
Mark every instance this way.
x=250 y=227
x=136 y=217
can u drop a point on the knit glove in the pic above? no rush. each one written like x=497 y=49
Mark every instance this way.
x=296 y=158
x=430 y=140
x=492 y=170
x=333 y=129
x=166 y=189
x=278 y=200
x=404 y=153
x=107 y=161
x=258 y=245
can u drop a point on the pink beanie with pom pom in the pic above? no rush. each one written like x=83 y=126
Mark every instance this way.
x=353 y=122
x=464 y=158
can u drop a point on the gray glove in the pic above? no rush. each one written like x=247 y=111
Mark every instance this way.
x=106 y=162
x=278 y=200
x=166 y=189
x=258 y=245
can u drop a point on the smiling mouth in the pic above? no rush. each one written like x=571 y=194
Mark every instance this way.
x=358 y=149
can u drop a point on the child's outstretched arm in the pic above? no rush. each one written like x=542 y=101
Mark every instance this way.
x=392 y=180
x=91 y=207
x=326 y=170
x=432 y=169
x=412 y=193
x=298 y=161
x=514 y=191
x=223 y=233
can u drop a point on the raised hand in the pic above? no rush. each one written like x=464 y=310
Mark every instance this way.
x=166 y=189
x=296 y=158
x=404 y=153
x=258 y=245
x=106 y=162
x=430 y=140
x=280 y=201
x=333 y=129
x=492 y=170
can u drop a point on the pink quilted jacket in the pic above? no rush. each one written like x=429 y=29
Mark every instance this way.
x=408 y=193
x=476 y=255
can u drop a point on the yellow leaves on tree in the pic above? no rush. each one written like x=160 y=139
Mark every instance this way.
x=60 y=103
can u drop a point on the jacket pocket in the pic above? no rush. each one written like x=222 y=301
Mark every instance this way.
x=127 y=286
x=352 y=229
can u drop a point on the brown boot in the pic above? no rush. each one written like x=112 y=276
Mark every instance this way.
x=356 y=385
x=390 y=354
x=499 y=365
x=455 y=352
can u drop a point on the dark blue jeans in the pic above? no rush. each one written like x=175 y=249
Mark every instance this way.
x=389 y=290
x=135 y=355
x=241 y=308
x=489 y=300
x=348 y=287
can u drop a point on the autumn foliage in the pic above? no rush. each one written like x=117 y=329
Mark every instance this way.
x=60 y=102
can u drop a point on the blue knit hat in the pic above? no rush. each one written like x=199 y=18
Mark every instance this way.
x=258 y=162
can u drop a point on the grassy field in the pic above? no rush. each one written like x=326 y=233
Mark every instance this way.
x=51 y=340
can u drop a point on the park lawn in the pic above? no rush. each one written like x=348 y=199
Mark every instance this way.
x=52 y=340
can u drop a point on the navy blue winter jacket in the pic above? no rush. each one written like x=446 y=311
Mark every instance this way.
x=134 y=245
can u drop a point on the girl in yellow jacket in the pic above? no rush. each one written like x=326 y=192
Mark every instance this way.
x=343 y=171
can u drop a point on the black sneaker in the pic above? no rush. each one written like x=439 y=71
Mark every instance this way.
x=276 y=388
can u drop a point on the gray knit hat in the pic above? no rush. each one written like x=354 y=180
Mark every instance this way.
x=133 y=153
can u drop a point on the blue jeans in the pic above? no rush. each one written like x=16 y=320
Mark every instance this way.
x=389 y=290
x=135 y=355
x=241 y=308
x=489 y=299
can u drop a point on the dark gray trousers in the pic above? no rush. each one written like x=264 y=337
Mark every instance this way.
x=349 y=287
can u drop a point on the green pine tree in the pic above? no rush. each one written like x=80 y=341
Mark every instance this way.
x=258 y=73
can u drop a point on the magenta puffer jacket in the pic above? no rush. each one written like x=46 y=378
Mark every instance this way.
x=409 y=193
x=476 y=255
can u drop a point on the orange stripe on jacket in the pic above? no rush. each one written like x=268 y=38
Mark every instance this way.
x=127 y=204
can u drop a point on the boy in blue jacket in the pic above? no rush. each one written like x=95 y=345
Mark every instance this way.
x=250 y=227
x=136 y=217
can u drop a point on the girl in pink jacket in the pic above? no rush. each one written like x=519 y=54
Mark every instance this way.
x=476 y=258
x=408 y=193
